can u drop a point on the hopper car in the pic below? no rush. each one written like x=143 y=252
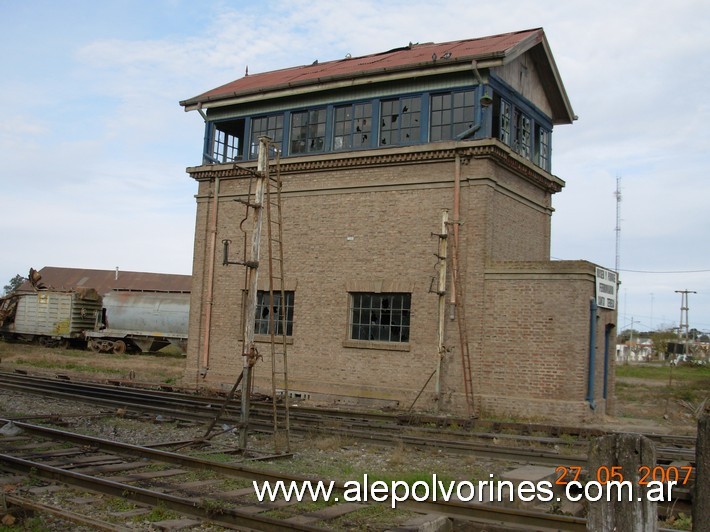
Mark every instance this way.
x=141 y=321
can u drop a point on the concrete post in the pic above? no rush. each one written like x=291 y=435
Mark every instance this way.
x=618 y=457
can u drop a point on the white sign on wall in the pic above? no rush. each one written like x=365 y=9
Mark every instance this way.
x=606 y=288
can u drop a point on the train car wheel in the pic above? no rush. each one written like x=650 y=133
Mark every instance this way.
x=119 y=347
x=94 y=346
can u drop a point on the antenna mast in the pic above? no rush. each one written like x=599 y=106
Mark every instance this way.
x=618 y=225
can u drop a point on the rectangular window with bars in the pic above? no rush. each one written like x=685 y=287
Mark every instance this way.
x=380 y=317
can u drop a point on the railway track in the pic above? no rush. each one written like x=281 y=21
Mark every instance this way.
x=420 y=431
x=516 y=442
x=151 y=478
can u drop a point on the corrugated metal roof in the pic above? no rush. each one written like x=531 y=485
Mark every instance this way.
x=411 y=57
x=103 y=281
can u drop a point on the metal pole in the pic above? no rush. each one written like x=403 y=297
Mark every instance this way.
x=249 y=352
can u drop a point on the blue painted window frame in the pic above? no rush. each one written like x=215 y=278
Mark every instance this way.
x=516 y=122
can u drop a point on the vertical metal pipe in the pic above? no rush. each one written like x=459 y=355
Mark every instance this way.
x=607 y=335
x=592 y=349
x=456 y=213
x=207 y=323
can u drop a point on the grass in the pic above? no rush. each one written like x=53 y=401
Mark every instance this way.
x=69 y=366
x=661 y=393
x=662 y=373
x=150 y=368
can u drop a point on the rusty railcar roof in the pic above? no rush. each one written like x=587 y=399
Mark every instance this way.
x=429 y=58
x=103 y=281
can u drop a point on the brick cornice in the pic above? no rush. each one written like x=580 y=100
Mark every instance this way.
x=487 y=149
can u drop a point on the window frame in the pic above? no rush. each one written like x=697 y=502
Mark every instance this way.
x=274 y=129
x=525 y=133
x=352 y=125
x=262 y=321
x=309 y=132
x=225 y=141
x=392 y=324
x=541 y=155
x=449 y=124
x=399 y=118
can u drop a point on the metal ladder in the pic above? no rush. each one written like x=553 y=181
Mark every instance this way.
x=278 y=315
x=266 y=198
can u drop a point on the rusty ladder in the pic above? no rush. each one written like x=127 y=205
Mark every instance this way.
x=278 y=310
x=460 y=308
x=265 y=199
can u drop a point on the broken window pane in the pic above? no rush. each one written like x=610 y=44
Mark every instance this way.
x=308 y=131
x=269 y=126
x=379 y=317
x=400 y=121
x=264 y=321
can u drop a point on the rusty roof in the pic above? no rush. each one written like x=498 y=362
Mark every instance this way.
x=489 y=51
x=103 y=281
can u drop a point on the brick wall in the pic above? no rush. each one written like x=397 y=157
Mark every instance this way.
x=363 y=221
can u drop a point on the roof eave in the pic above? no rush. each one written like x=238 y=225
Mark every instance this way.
x=428 y=68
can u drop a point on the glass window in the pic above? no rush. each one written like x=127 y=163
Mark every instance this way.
x=263 y=319
x=451 y=115
x=542 y=147
x=380 y=317
x=505 y=122
x=400 y=122
x=227 y=142
x=522 y=133
x=269 y=126
x=308 y=131
x=352 y=126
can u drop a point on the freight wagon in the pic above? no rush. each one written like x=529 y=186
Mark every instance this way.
x=50 y=317
x=141 y=321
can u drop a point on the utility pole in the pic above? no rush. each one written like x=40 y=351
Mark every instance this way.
x=684 y=316
x=249 y=353
x=631 y=338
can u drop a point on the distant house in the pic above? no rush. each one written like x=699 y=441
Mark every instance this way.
x=375 y=151
x=638 y=350
x=103 y=281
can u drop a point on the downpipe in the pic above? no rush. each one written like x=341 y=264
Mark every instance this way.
x=607 y=335
x=592 y=349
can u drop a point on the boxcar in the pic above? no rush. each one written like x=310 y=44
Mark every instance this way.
x=50 y=317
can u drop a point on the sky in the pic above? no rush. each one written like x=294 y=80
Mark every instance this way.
x=94 y=144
